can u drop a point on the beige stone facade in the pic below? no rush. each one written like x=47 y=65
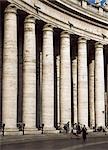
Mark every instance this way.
x=53 y=64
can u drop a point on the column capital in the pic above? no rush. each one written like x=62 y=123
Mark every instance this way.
x=65 y=34
x=29 y=19
x=48 y=27
x=11 y=9
x=98 y=45
x=82 y=40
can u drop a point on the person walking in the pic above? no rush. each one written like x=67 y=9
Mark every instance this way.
x=66 y=127
x=84 y=133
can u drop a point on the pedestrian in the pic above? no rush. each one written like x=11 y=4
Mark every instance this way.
x=84 y=133
x=78 y=128
x=66 y=127
x=74 y=131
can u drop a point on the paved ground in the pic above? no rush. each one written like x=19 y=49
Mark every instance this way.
x=59 y=144
x=54 y=142
x=92 y=146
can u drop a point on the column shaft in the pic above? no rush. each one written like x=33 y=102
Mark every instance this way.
x=99 y=85
x=74 y=78
x=107 y=91
x=91 y=94
x=29 y=73
x=65 y=78
x=9 y=88
x=82 y=82
x=48 y=78
x=40 y=87
x=58 y=88
x=1 y=51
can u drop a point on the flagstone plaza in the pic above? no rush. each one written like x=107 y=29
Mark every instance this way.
x=53 y=64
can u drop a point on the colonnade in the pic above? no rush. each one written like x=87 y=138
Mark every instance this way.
x=76 y=71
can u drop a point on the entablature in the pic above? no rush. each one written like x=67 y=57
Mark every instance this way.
x=72 y=18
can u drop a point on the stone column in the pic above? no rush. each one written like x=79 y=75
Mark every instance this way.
x=107 y=90
x=29 y=74
x=99 y=85
x=40 y=88
x=48 y=78
x=82 y=82
x=9 y=86
x=1 y=52
x=106 y=106
x=91 y=93
x=58 y=88
x=107 y=73
x=74 y=78
x=65 y=78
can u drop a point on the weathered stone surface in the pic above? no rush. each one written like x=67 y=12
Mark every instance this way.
x=65 y=78
x=9 y=88
x=48 y=78
x=29 y=73
x=99 y=85
x=69 y=20
x=74 y=80
x=91 y=94
x=82 y=82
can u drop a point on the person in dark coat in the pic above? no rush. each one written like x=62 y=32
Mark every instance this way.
x=78 y=128
x=84 y=133
x=66 y=127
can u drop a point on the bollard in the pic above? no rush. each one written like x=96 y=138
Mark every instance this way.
x=42 y=127
x=23 y=128
x=3 y=129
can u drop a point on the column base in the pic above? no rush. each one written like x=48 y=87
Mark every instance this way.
x=50 y=130
x=89 y=130
x=15 y=131
x=32 y=131
x=11 y=131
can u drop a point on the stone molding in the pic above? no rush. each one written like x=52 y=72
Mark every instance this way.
x=30 y=19
x=48 y=27
x=98 y=45
x=64 y=24
x=65 y=34
x=11 y=9
x=82 y=40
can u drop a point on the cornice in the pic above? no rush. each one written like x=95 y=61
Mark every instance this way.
x=75 y=10
x=57 y=23
x=72 y=9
